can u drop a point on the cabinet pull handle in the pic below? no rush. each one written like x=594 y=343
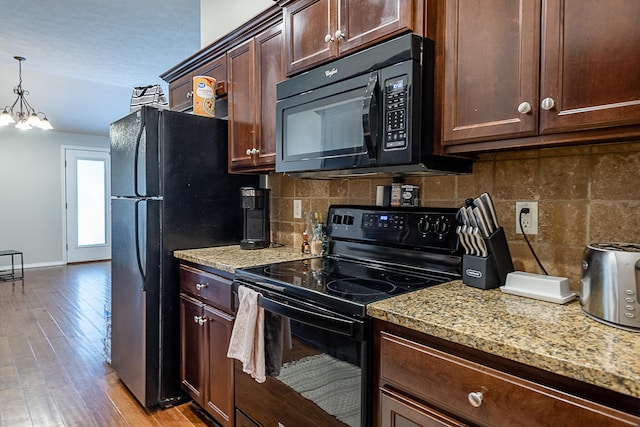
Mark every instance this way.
x=475 y=398
x=547 y=104
x=200 y=286
x=339 y=35
x=328 y=38
x=524 y=108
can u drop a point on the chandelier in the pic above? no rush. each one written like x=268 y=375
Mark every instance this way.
x=25 y=117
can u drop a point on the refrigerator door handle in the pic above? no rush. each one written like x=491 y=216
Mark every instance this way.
x=143 y=273
x=143 y=125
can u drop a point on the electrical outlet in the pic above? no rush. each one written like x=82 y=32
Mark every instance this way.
x=529 y=220
x=297 y=209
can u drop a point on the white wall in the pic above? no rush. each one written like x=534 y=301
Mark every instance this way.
x=218 y=17
x=31 y=191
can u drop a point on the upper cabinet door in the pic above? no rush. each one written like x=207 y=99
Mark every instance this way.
x=361 y=22
x=241 y=104
x=491 y=69
x=316 y=31
x=270 y=71
x=308 y=33
x=590 y=64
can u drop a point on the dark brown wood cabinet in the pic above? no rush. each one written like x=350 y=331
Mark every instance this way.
x=419 y=384
x=254 y=68
x=181 y=89
x=205 y=371
x=534 y=72
x=316 y=31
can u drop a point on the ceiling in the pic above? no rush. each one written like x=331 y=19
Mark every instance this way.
x=83 y=57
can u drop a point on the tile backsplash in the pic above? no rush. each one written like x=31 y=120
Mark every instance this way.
x=585 y=194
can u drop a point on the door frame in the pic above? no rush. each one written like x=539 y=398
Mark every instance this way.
x=63 y=156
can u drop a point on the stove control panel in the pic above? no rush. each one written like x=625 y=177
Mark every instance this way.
x=384 y=221
x=417 y=227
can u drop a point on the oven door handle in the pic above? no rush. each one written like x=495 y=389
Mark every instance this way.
x=319 y=320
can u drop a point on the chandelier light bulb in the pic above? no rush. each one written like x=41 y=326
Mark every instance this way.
x=5 y=118
x=33 y=119
x=22 y=124
x=45 y=124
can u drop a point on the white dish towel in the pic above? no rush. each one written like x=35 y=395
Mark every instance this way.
x=247 y=337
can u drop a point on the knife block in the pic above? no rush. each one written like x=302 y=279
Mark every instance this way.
x=491 y=271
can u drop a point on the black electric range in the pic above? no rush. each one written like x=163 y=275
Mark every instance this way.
x=316 y=333
x=375 y=253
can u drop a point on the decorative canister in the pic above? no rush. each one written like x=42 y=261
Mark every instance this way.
x=204 y=96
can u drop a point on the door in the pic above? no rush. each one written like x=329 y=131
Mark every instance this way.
x=242 y=106
x=315 y=363
x=359 y=23
x=308 y=33
x=590 y=64
x=491 y=69
x=135 y=154
x=192 y=360
x=270 y=69
x=219 y=400
x=87 y=213
x=135 y=282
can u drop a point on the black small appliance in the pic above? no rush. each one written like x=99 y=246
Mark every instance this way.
x=255 y=205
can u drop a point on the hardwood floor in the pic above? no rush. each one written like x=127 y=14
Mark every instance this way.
x=52 y=365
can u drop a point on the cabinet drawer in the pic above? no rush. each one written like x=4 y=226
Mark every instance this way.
x=450 y=383
x=181 y=94
x=216 y=290
x=398 y=410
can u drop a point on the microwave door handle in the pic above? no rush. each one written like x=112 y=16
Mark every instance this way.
x=369 y=113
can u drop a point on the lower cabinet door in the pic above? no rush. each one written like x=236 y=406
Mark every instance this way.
x=191 y=348
x=219 y=402
x=400 y=411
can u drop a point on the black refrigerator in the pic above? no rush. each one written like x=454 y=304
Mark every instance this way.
x=170 y=190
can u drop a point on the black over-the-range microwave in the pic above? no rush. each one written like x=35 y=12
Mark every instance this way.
x=368 y=112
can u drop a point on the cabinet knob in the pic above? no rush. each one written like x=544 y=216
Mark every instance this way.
x=475 y=398
x=189 y=94
x=200 y=286
x=255 y=151
x=547 y=104
x=339 y=35
x=195 y=319
x=248 y=151
x=328 y=38
x=524 y=108
x=203 y=320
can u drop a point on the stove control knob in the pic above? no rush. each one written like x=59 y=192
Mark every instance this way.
x=442 y=226
x=426 y=224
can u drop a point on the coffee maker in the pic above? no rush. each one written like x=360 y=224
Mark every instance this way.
x=255 y=207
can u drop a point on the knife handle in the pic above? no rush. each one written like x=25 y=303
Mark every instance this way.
x=488 y=201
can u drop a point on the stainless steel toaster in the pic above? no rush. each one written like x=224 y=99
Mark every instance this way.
x=610 y=284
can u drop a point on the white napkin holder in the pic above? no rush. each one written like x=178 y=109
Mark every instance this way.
x=546 y=288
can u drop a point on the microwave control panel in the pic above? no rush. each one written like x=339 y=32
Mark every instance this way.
x=395 y=112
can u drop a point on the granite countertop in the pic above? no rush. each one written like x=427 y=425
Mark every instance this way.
x=228 y=258
x=557 y=338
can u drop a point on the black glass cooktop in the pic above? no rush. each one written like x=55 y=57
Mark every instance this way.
x=339 y=284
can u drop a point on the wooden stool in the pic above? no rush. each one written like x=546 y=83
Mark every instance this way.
x=11 y=274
